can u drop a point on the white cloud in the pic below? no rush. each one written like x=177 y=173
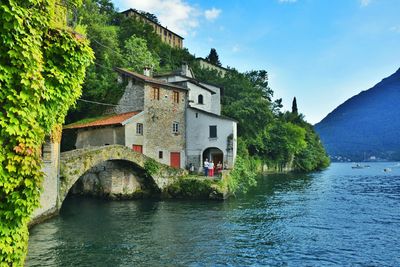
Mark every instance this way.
x=235 y=48
x=212 y=14
x=287 y=1
x=365 y=2
x=177 y=15
x=395 y=29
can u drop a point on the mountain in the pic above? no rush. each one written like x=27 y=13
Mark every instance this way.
x=366 y=125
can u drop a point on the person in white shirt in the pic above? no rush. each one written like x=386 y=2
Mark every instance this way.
x=205 y=166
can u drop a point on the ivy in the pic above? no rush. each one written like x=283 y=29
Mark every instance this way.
x=151 y=166
x=41 y=72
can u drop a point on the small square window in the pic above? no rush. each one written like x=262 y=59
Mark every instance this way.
x=160 y=154
x=175 y=128
x=139 y=128
x=213 y=131
x=197 y=115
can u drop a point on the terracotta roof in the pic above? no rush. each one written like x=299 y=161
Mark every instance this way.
x=148 y=79
x=103 y=121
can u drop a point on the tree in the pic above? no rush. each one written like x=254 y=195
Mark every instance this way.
x=294 y=106
x=213 y=57
x=137 y=56
x=150 y=16
x=42 y=68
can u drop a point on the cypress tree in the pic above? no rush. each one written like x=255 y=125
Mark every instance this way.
x=213 y=57
x=294 y=106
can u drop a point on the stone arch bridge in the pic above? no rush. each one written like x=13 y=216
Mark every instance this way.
x=75 y=163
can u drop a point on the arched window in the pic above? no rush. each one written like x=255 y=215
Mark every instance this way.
x=200 y=99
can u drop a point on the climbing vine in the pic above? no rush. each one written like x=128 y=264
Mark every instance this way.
x=41 y=72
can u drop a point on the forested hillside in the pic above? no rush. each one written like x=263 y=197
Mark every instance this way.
x=265 y=132
x=367 y=125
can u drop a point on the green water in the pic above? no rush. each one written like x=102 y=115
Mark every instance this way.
x=339 y=217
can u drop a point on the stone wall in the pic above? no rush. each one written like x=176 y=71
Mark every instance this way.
x=74 y=164
x=132 y=99
x=100 y=137
x=48 y=197
x=159 y=117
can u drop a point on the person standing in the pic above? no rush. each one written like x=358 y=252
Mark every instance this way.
x=205 y=167
x=211 y=168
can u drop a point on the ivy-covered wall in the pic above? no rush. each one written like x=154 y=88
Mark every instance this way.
x=41 y=71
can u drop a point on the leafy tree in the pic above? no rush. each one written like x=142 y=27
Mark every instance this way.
x=137 y=56
x=213 y=57
x=150 y=16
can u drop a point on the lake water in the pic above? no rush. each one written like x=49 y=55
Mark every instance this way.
x=338 y=217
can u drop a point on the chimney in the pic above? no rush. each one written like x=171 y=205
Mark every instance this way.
x=147 y=71
x=185 y=70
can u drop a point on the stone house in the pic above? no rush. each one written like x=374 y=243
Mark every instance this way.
x=149 y=118
x=172 y=118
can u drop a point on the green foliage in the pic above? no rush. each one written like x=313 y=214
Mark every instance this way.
x=243 y=176
x=151 y=166
x=264 y=131
x=137 y=56
x=109 y=33
x=190 y=188
x=213 y=57
x=41 y=72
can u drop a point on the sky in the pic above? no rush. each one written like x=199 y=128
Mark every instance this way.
x=321 y=52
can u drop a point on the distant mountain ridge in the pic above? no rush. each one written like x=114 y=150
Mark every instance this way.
x=366 y=125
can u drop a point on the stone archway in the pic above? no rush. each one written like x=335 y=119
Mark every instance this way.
x=74 y=164
x=115 y=179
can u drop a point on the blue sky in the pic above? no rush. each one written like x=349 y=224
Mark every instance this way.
x=323 y=52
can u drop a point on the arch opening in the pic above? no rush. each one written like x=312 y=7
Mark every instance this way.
x=115 y=179
x=215 y=154
x=200 y=99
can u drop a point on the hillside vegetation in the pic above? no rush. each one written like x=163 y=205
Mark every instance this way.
x=266 y=134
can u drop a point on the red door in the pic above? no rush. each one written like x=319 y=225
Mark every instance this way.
x=137 y=148
x=176 y=159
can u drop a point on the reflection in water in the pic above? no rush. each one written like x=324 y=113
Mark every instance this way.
x=338 y=217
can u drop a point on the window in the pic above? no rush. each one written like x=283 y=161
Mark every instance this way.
x=139 y=128
x=175 y=128
x=213 y=131
x=200 y=99
x=156 y=93
x=160 y=154
x=197 y=115
x=176 y=97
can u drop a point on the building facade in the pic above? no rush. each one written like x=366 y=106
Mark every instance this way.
x=172 y=118
x=156 y=127
x=204 y=64
x=166 y=35
x=209 y=135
